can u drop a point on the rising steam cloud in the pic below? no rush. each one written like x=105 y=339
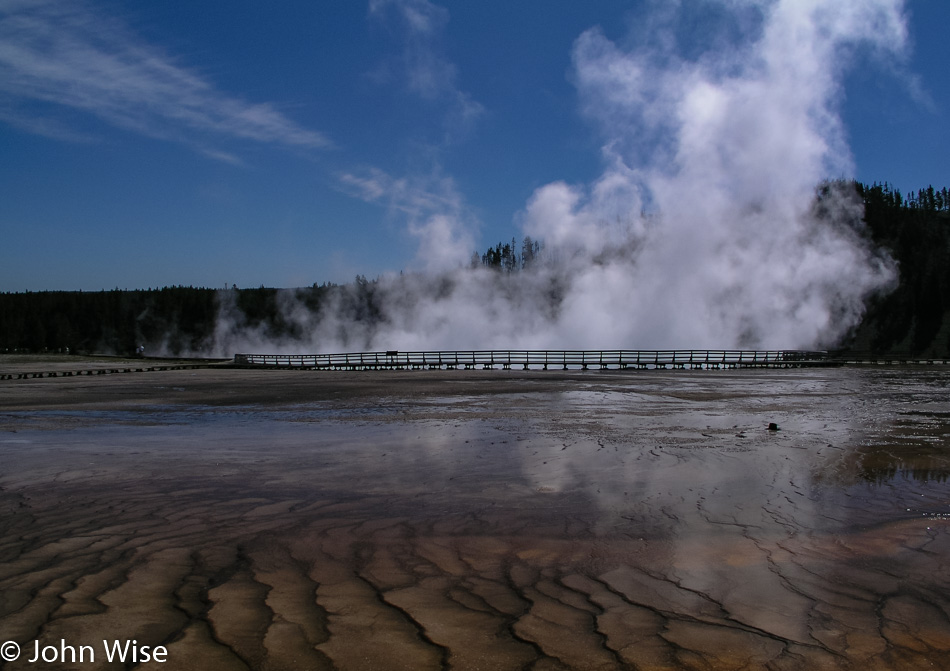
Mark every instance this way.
x=703 y=230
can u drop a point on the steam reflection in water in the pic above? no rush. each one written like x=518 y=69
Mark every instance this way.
x=645 y=520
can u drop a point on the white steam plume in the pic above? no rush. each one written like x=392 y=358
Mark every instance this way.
x=703 y=229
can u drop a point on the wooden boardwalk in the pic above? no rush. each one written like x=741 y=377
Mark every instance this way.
x=27 y=375
x=542 y=360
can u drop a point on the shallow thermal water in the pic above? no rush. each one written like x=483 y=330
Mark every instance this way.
x=641 y=520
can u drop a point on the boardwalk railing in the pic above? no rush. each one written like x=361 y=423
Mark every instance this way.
x=541 y=359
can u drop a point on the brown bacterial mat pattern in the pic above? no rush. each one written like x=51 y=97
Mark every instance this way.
x=480 y=520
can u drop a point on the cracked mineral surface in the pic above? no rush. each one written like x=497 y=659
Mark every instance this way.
x=481 y=519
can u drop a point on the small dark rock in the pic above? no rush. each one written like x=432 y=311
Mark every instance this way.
x=773 y=426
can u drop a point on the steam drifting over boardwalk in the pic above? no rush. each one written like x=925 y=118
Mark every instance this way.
x=542 y=359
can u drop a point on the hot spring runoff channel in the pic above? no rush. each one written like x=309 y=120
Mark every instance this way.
x=648 y=519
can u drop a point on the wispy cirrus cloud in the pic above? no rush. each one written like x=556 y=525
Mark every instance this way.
x=436 y=214
x=422 y=65
x=58 y=58
x=434 y=211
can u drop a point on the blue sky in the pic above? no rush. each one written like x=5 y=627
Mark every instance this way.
x=212 y=143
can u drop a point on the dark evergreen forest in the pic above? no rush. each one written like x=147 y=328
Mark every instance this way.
x=913 y=319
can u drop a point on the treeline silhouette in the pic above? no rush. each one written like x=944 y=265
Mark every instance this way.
x=117 y=321
x=507 y=256
x=177 y=321
x=913 y=319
